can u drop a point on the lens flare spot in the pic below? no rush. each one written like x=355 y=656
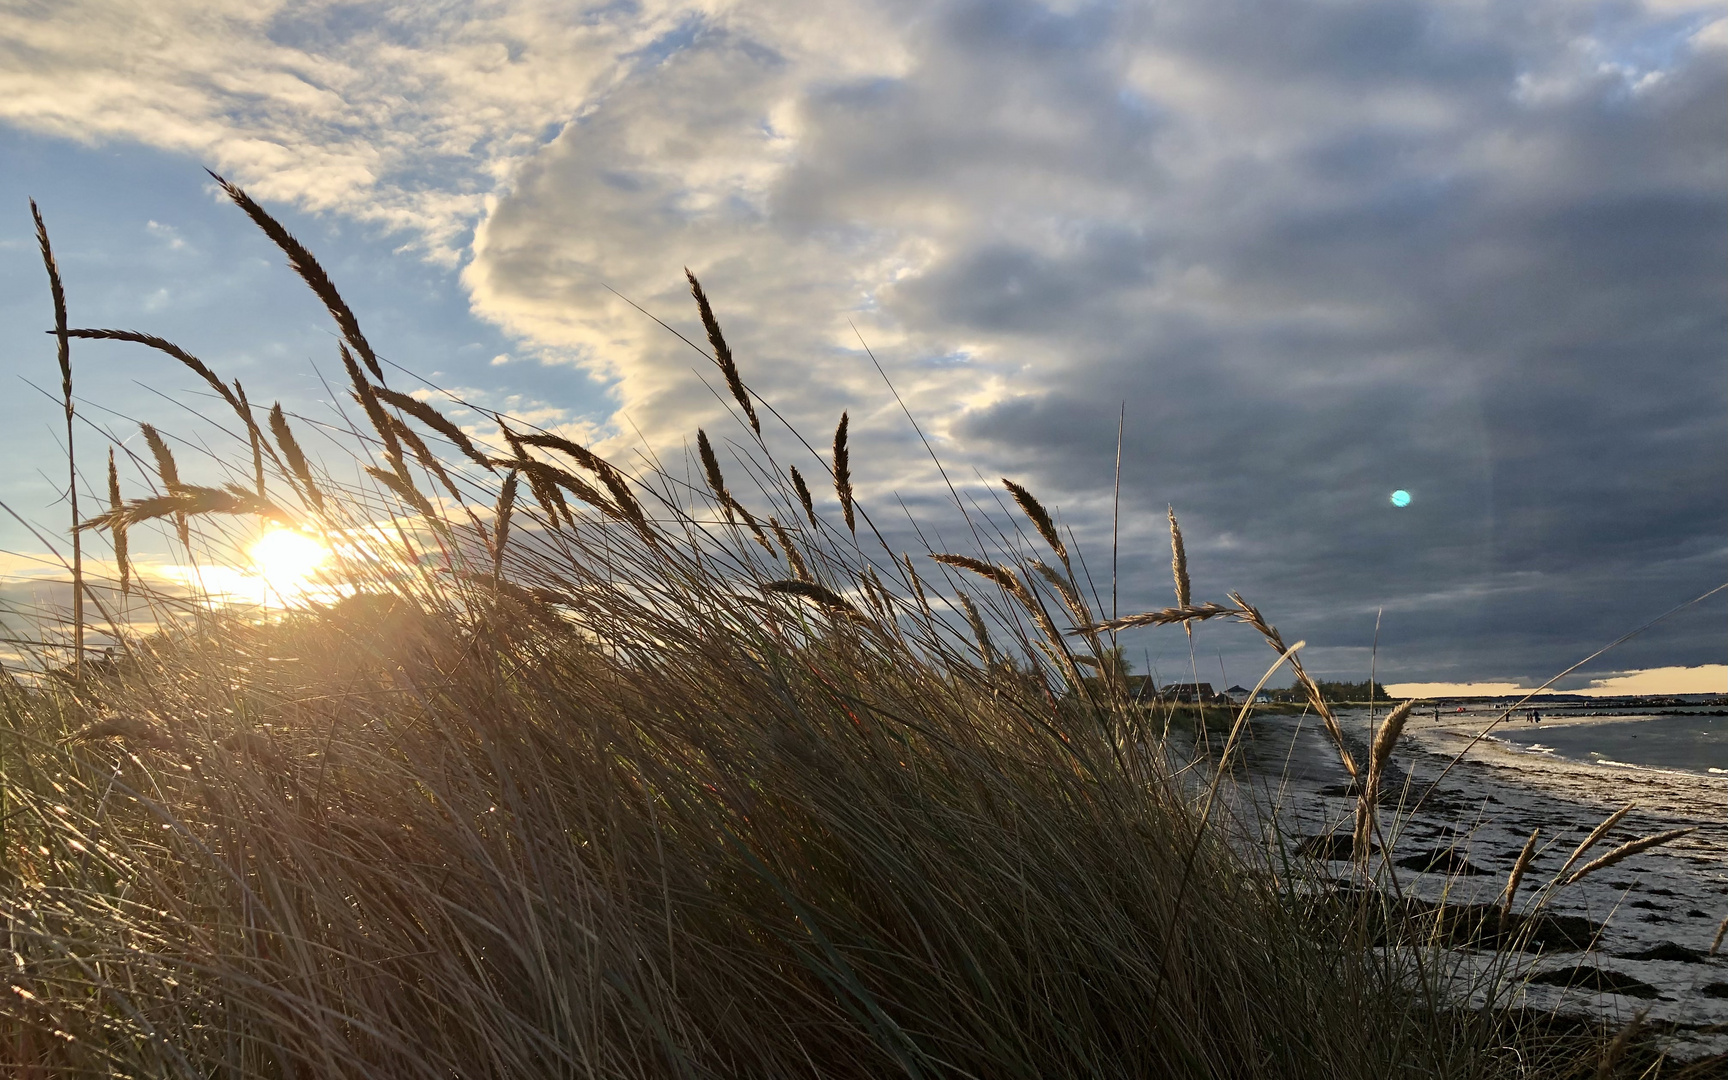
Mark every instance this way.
x=1400 y=498
x=286 y=559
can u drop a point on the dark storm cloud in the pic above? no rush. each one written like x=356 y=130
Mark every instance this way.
x=1320 y=252
x=1533 y=347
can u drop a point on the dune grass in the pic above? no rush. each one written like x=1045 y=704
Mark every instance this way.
x=653 y=772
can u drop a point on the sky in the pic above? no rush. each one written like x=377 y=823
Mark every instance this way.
x=1314 y=252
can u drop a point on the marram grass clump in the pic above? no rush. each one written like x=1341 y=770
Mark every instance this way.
x=583 y=775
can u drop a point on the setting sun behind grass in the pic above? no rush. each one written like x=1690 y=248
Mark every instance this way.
x=287 y=560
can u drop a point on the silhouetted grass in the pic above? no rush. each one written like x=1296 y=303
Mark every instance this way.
x=584 y=776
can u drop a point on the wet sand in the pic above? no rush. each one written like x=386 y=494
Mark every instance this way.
x=1658 y=910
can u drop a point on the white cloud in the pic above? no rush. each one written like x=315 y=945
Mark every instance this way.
x=169 y=234
x=398 y=113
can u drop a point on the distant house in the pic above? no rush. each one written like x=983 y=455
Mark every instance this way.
x=1188 y=693
x=1142 y=690
x=1237 y=694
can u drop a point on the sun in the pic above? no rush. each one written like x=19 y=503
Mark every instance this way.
x=286 y=559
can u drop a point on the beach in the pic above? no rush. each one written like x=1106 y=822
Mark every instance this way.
x=1457 y=811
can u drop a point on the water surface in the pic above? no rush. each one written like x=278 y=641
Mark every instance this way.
x=1695 y=743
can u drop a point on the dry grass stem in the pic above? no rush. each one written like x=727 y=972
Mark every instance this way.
x=1517 y=875
x=367 y=397
x=881 y=599
x=1611 y=1056
x=1595 y=837
x=623 y=505
x=793 y=559
x=199 y=368
x=303 y=264
x=722 y=352
x=189 y=501
x=1368 y=799
x=627 y=504
x=711 y=471
x=118 y=532
x=986 y=649
x=254 y=438
x=1249 y=614
x=1040 y=518
x=170 y=474
x=1071 y=598
x=917 y=586
x=1387 y=737
x=408 y=493
x=803 y=491
x=752 y=524
x=1164 y=617
x=581 y=455
x=437 y=421
x=295 y=458
x=1001 y=575
x=63 y=353
x=1179 y=567
x=555 y=479
x=843 y=472
x=821 y=594
x=501 y=522
x=423 y=454
x=544 y=488
x=1626 y=850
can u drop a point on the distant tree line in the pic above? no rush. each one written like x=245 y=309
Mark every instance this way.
x=1336 y=691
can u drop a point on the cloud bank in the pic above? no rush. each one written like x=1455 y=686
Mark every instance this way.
x=1320 y=251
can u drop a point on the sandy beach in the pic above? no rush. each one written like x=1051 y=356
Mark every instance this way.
x=1657 y=911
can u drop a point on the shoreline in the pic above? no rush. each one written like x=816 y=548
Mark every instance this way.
x=1658 y=911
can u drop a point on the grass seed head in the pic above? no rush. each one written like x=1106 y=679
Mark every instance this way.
x=118 y=532
x=295 y=457
x=803 y=491
x=1627 y=850
x=843 y=472
x=722 y=352
x=307 y=267
x=1178 y=561
x=1522 y=864
x=1040 y=518
x=437 y=421
x=170 y=474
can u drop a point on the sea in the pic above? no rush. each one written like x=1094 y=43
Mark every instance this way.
x=1687 y=739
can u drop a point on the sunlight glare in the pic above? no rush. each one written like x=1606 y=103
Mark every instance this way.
x=287 y=559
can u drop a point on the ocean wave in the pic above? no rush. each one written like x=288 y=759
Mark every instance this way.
x=1661 y=770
